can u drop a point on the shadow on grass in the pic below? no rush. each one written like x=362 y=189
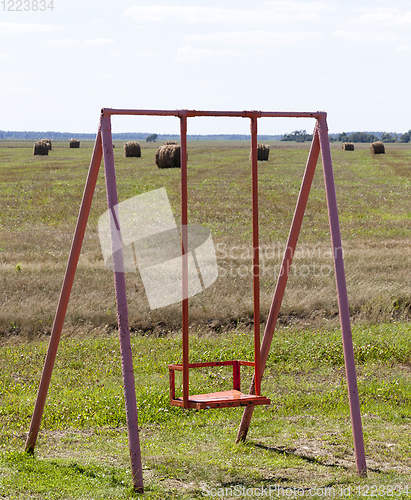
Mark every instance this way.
x=291 y=452
x=31 y=475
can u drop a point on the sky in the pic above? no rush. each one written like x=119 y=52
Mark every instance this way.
x=60 y=66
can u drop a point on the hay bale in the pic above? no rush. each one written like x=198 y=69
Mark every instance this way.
x=40 y=148
x=263 y=151
x=348 y=146
x=74 y=143
x=170 y=143
x=377 y=148
x=168 y=156
x=48 y=142
x=132 y=149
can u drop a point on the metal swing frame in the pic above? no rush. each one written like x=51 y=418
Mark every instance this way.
x=103 y=148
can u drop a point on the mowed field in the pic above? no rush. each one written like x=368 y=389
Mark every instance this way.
x=302 y=444
x=40 y=199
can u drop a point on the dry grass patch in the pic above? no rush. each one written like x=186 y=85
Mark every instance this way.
x=41 y=197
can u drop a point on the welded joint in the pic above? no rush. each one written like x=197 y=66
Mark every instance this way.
x=322 y=122
x=254 y=114
x=107 y=111
x=184 y=113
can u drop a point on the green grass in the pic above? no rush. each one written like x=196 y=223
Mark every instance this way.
x=303 y=440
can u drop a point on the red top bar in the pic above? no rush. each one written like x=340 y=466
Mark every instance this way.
x=193 y=112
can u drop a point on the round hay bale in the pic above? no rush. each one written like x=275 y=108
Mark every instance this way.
x=348 y=146
x=263 y=150
x=48 y=142
x=40 y=148
x=132 y=149
x=377 y=148
x=74 y=143
x=168 y=156
x=170 y=143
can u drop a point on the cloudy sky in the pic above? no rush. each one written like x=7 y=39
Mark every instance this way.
x=351 y=58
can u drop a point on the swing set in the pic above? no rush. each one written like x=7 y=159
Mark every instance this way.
x=103 y=148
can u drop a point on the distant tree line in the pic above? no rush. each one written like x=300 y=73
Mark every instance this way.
x=357 y=137
x=297 y=136
x=151 y=138
x=302 y=136
x=35 y=136
x=370 y=137
x=406 y=137
x=128 y=136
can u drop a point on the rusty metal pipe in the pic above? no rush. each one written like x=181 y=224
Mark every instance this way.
x=122 y=312
x=65 y=294
x=193 y=112
x=283 y=275
x=342 y=299
x=256 y=257
x=184 y=256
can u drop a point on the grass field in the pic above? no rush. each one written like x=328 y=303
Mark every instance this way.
x=40 y=200
x=302 y=442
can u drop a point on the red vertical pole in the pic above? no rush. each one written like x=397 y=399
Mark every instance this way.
x=283 y=275
x=256 y=256
x=184 y=251
x=171 y=377
x=65 y=294
x=342 y=298
x=236 y=376
x=122 y=312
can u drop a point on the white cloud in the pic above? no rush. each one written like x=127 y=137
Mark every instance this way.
x=4 y=56
x=384 y=17
x=190 y=53
x=286 y=6
x=364 y=37
x=19 y=28
x=73 y=41
x=189 y=13
x=404 y=48
x=17 y=89
x=273 y=11
x=147 y=53
x=67 y=41
x=99 y=41
x=255 y=37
